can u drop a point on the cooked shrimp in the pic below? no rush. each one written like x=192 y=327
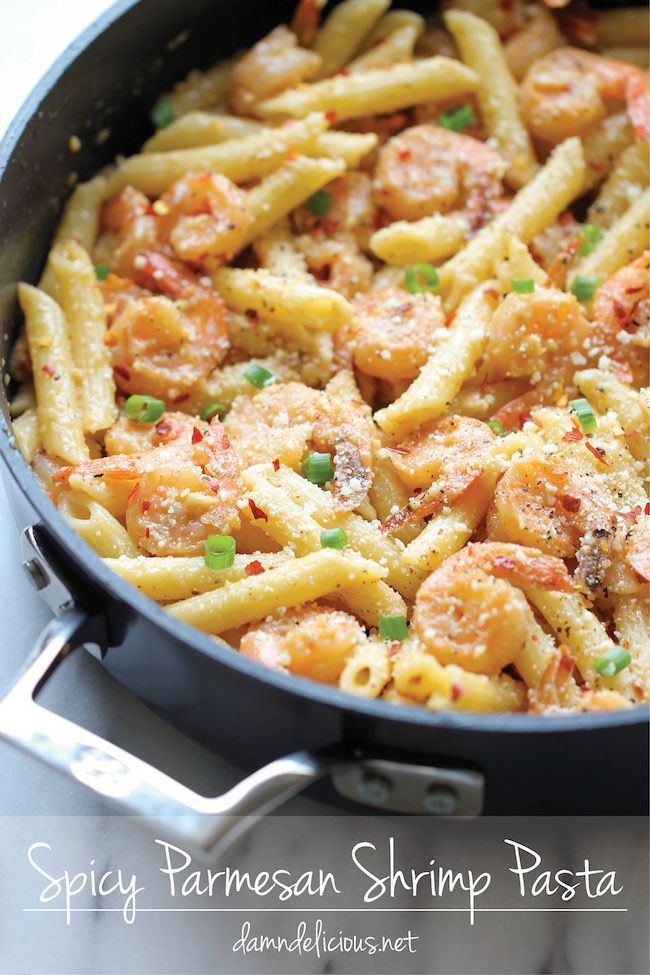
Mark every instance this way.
x=569 y=91
x=393 y=333
x=310 y=640
x=163 y=347
x=539 y=36
x=637 y=547
x=286 y=421
x=506 y=17
x=205 y=217
x=466 y=612
x=273 y=64
x=183 y=491
x=444 y=459
x=565 y=513
x=621 y=316
x=129 y=437
x=127 y=226
x=426 y=170
x=306 y=18
x=351 y=209
x=336 y=262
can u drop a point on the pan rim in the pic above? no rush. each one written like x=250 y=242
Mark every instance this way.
x=195 y=641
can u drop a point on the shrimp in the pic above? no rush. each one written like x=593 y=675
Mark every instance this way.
x=621 y=316
x=127 y=226
x=164 y=347
x=130 y=437
x=306 y=18
x=182 y=491
x=467 y=613
x=506 y=17
x=205 y=218
x=332 y=245
x=310 y=640
x=287 y=420
x=539 y=36
x=273 y=64
x=564 y=513
x=445 y=458
x=569 y=91
x=637 y=548
x=426 y=170
x=392 y=333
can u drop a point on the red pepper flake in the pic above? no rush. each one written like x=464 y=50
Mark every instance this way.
x=400 y=450
x=145 y=505
x=619 y=310
x=573 y=436
x=323 y=273
x=276 y=464
x=197 y=436
x=631 y=516
x=646 y=510
x=595 y=164
x=332 y=117
x=394 y=648
x=212 y=482
x=404 y=154
x=456 y=691
x=122 y=372
x=451 y=319
x=633 y=291
x=254 y=568
x=163 y=427
x=292 y=153
x=565 y=217
x=330 y=226
x=181 y=398
x=132 y=493
x=49 y=370
x=598 y=453
x=569 y=503
x=257 y=512
x=492 y=292
x=147 y=532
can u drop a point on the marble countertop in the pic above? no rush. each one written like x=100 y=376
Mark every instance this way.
x=35 y=802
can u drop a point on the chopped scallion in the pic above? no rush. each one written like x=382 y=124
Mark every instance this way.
x=457 y=119
x=497 y=427
x=258 y=376
x=333 y=538
x=318 y=468
x=162 y=113
x=421 y=277
x=319 y=203
x=214 y=409
x=102 y=271
x=523 y=286
x=219 y=551
x=393 y=628
x=591 y=234
x=144 y=409
x=612 y=662
x=585 y=415
x=584 y=287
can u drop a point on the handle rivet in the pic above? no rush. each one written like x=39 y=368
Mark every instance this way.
x=374 y=789
x=36 y=574
x=440 y=800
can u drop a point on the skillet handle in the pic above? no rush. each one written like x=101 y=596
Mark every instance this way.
x=207 y=824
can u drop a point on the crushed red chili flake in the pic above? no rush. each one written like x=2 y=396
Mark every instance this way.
x=400 y=450
x=569 y=503
x=197 y=436
x=598 y=453
x=163 y=427
x=573 y=436
x=565 y=217
x=133 y=492
x=252 y=315
x=451 y=319
x=619 y=309
x=212 y=482
x=394 y=649
x=631 y=516
x=595 y=164
x=122 y=371
x=632 y=291
x=254 y=568
x=147 y=532
x=49 y=370
x=181 y=398
x=377 y=221
x=330 y=226
x=145 y=505
x=344 y=72
x=276 y=464
x=257 y=512
x=404 y=154
x=456 y=691
x=332 y=117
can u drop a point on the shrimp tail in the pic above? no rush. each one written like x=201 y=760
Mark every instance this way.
x=422 y=505
x=542 y=571
x=156 y=272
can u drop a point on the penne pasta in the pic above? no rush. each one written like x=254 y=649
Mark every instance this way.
x=429 y=239
x=96 y=525
x=27 y=434
x=627 y=180
x=626 y=239
x=343 y=32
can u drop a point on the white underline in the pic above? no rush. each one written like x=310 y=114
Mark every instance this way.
x=334 y=910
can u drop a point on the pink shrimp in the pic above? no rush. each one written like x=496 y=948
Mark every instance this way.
x=569 y=91
x=621 y=316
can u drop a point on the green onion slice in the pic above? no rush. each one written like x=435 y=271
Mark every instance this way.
x=319 y=203
x=318 y=468
x=162 y=113
x=219 y=551
x=457 y=119
x=102 y=271
x=584 y=414
x=393 y=627
x=591 y=235
x=421 y=277
x=523 y=286
x=612 y=662
x=497 y=427
x=214 y=409
x=144 y=409
x=584 y=287
x=333 y=538
x=258 y=376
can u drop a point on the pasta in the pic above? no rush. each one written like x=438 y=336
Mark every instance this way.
x=347 y=367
